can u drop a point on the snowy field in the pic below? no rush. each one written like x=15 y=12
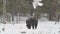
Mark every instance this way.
x=46 y=27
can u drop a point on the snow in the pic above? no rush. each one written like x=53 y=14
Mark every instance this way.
x=46 y=27
x=37 y=3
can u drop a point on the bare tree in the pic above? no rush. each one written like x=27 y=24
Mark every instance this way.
x=4 y=11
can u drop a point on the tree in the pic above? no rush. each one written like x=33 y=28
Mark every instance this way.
x=4 y=11
x=1 y=7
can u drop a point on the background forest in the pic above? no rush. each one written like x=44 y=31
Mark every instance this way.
x=13 y=7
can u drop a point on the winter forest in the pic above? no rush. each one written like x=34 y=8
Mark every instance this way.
x=14 y=15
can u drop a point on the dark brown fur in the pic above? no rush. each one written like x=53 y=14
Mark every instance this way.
x=32 y=22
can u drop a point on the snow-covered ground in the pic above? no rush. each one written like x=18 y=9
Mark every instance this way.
x=44 y=27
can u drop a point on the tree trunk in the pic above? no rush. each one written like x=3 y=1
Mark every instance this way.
x=31 y=13
x=4 y=11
